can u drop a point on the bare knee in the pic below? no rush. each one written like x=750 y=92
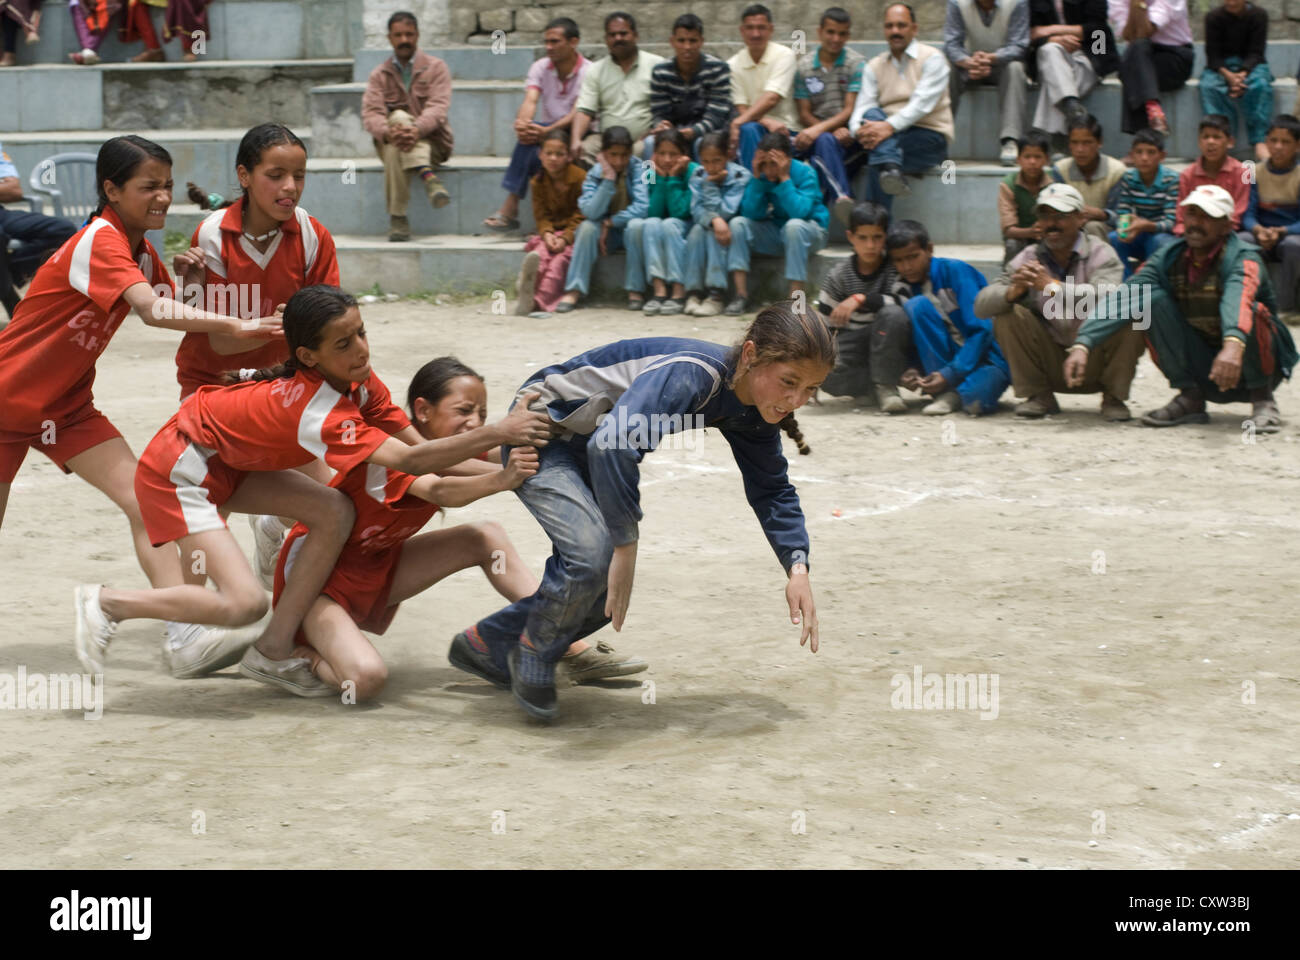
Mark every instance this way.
x=367 y=676
x=331 y=514
x=490 y=536
x=245 y=606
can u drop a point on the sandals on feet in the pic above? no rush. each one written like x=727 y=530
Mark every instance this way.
x=1176 y=412
x=1267 y=417
x=499 y=224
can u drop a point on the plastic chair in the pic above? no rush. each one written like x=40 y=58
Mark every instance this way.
x=67 y=181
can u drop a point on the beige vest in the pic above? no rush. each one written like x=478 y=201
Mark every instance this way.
x=980 y=37
x=893 y=89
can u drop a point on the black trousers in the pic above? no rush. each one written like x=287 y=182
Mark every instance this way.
x=40 y=235
x=874 y=354
x=1147 y=70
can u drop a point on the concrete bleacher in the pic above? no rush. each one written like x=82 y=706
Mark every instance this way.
x=309 y=71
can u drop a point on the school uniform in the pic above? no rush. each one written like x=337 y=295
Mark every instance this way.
x=241 y=282
x=362 y=578
x=786 y=218
x=951 y=340
x=706 y=259
x=555 y=209
x=585 y=494
x=621 y=200
x=220 y=434
x=664 y=228
x=49 y=349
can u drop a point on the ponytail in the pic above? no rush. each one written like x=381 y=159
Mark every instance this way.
x=306 y=315
x=253 y=374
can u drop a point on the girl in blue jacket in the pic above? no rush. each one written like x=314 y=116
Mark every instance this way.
x=717 y=187
x=615 y=201
x=611 y=406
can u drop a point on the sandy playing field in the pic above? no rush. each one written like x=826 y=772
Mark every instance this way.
x=1131 y=593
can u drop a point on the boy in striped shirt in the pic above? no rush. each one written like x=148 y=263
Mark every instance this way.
x=1148 y=202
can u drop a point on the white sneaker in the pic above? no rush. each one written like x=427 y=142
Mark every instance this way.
x=692 y=304
x=944 y=403
x=94 y=629
x=268 y=535
x=200 y=650
x=527 y=285
x=709 y=308
x=1007 y=157
x=294 y=674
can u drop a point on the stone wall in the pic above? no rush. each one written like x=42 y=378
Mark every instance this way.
x=474 y=21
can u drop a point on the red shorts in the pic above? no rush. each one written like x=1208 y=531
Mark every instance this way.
x=360 y=583
x=180 y=485
x=59 y=440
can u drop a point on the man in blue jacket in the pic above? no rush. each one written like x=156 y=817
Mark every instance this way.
x=781 y=212
x=962 y=362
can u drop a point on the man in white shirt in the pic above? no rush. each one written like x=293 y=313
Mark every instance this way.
x=762 y=86
x=903 y=116
x=1158 y=58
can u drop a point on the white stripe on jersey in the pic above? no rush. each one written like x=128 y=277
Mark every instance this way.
x=312 y=423
x=261 y=259
x=602 y=386
x=210 y=242
x=79 y=266
x=376 y=481
x=310 y=241
x=187 y=475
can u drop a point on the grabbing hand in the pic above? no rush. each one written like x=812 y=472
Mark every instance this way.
x=190 y=261
x=523 y=427
x=524 y=462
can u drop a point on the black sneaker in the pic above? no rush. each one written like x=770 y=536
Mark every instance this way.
x=463 y=656
x=736 y=307
x=539 y=702
x=893 y=182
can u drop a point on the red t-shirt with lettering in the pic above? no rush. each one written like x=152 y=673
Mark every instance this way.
x=279 y=424
x=73 y=308
x=241 y=282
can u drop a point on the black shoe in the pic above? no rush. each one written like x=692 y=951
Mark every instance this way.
x=463 y=656
x=736 y=307
x=893 y=182
x=539 y=702
x=1073 y=108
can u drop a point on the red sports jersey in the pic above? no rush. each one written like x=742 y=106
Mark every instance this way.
x=362 y=578
x=48 y=350
x=287 y=422
x=244 y=283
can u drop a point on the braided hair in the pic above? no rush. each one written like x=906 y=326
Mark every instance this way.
x=782 y=334
x=117 y=161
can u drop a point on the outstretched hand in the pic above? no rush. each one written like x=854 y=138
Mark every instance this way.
x=798 y=595
x=622 y=568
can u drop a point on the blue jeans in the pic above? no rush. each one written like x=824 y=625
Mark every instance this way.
x=835 y=165
x=1141 y=246
x=704 y=268
x=915 y=149
x=570 y=601
x=750 y=134
x=796 y=239
x=664 y=241
x=525 y=161
x=1256 y=103
x=586 y=247
x=936 y=349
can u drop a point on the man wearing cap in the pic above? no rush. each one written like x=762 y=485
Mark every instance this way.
x=1212 y=320
x=1042 y=298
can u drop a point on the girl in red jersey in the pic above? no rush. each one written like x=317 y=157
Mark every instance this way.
x=77 y=300
x=249 y=258
x=386 y=560
x=236 y=447
x=252 y=256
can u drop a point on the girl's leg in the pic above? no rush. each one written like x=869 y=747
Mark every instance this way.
x=4 y=500
x=429 y=557
x=110 y=467
x=328 y=516
x=341 y=651
x=238 y=599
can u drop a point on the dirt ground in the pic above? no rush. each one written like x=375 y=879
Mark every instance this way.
x=1130 y=590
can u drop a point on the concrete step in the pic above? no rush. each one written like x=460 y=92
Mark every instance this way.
x=279 y=30
x=204 y=156
x=154 y=96
x=483 y=266
x=482 y=118
x=483 y=112
x=510 y=60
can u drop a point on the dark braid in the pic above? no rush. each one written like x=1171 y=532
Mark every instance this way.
x=791 y=426
x=306 y=315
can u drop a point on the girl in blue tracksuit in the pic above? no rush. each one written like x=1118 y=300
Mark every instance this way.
x=611 y=405
x=614 y=201
x=717 y=187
